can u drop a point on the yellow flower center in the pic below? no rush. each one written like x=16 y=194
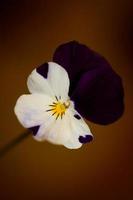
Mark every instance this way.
x=58 y=108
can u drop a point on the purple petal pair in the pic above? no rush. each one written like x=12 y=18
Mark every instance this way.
x=95 y=87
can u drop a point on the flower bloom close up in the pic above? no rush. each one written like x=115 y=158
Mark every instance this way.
x=49 y=111
x=79 y=83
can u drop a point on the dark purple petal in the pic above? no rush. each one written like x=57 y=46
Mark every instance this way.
x=95 y=87
x=43 y=70
x=85 y=139
x=99 y=97
x=34 y=129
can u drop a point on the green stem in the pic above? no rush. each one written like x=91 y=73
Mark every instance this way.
x=14 y=143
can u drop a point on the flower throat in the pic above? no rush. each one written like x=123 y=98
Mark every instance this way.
x=58 y=108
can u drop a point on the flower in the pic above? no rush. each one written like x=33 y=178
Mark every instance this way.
x=95 y=88
x=49 y=111
x=54 y=108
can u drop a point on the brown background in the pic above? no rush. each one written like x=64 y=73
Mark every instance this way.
x=29 y=33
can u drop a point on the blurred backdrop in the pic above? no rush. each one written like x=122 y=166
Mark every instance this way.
x=30 y=30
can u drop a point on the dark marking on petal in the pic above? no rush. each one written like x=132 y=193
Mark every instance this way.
x=85 y=139
x=34 y=129
x=43 y=70
x=62 y=115
x=56 y=98
x=57 y=116
x=53 y=113
x=77 y=116
x=59 y=97
x=52 y=105
x=50 y=110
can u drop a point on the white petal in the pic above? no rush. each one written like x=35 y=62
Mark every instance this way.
x=58 y=80
x=65 y=131
x=59 y=131
x=78 y=128
x=44 y=128
x=38 y=84
x=53 y=130
x=31 y=109
x=56 y=83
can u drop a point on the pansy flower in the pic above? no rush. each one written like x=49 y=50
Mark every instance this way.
x=78 y=83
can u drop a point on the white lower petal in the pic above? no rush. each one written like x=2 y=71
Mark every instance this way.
x=31 y=109
x=72 y=144
x=59 y=131
x=78 y=128
x=44 y=129
x=54 y=131
x=65 y=131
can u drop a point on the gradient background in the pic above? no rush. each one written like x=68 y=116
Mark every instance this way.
x=29 y=33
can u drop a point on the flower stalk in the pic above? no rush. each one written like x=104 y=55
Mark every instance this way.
x=12 y=144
